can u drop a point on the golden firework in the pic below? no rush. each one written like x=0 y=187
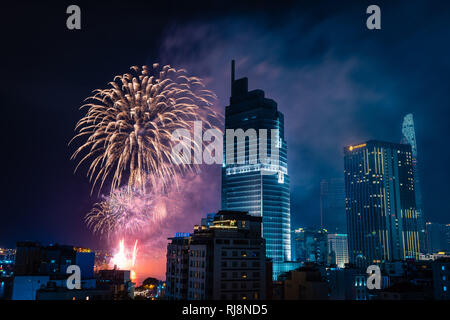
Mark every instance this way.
x=128 y=126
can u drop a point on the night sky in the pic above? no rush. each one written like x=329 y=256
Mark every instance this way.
x=336 y=82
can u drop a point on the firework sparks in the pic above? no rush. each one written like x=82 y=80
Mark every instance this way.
x=124 y=260
x=123 y=212
x=129 y=126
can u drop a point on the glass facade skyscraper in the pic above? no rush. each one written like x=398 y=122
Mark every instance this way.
x=409 y=137
x=258 y=187
x=332 y=205
x=380 y=203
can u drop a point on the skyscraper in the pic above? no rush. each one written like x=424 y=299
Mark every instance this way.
x=409 y=137
x=257 y=187
x=380 y=203
x=338 y=249
x=332 y=205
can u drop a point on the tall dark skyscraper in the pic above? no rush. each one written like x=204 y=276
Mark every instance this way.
x=332 y=205
x=409 y=137
x=259 y=188
x=380 y=203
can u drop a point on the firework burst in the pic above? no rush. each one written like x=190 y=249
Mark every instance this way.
x=128 y=127
x=123 y=213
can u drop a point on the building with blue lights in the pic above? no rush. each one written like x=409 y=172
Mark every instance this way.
x=258 y=187
x=441 y=279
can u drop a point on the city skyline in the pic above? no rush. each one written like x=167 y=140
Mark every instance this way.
x=334 y=90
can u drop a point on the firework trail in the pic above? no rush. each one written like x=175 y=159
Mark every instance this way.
x=124 y=213
x=128 y=127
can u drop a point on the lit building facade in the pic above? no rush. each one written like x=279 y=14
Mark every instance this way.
x=177 y=267
x=338 y=249
x=221 y=261
x=380 y=203
x=258 y=187
x=409 y=137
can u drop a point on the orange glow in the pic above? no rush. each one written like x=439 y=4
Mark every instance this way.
x=126 y=260
x=351 y=148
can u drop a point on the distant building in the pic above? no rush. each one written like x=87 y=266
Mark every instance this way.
x=409 y=137
x=338 y=249
x=380 y=203
x=305 y=283
x=26 y=287
x=407 y=280
x=311 y=245
x=208 y=220
x=437 y=237
x=34 y=259
x=52 y=292
x=102 y=259
x=441 y=279
x=434 y=256
x=7 y=258
x=117 y=282
x=259 y=188
x=39 y=267
x=224 y=261
x=177 y=267
x=332 y=205
x=348 y=283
